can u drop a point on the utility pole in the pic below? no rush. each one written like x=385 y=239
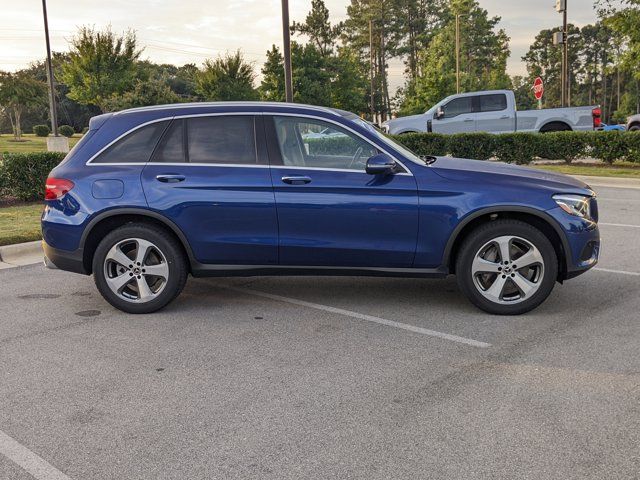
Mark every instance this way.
x=286 y=38
x=562 y=38
x=565 y=29
x=52 y=94
x=372 y=97
x=457 y=53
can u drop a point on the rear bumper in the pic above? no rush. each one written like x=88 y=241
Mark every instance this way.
x=71 y=261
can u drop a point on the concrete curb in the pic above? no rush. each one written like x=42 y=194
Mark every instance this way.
x=20 y=254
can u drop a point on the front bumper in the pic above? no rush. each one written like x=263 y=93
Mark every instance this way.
x=71 y=261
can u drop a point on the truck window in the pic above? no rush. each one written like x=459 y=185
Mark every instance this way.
x=493 y=103
x=458 y=106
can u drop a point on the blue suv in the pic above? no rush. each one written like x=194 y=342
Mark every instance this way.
x=153 y=194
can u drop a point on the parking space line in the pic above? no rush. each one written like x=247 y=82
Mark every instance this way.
x=622 y=272
x=619 y=225
x=36 y=466
x=361 y=316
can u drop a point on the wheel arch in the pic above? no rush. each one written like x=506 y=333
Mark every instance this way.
x=109 y=220
x=556 y=126
x=541 y=220
x=634 y=125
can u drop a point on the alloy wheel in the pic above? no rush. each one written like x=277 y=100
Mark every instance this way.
x=136 y=270
x=508 y=270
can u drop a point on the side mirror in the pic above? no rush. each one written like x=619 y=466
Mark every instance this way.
x=439 y=113
x=380 y=164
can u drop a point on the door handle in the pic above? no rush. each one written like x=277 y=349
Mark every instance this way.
x=170 y=178
x=468 y=120
x=296 y=179
x=504 y=117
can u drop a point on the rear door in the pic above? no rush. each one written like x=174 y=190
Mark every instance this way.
x=210 y=176
x=493 y=115
x=330 y=211
x=458 y=117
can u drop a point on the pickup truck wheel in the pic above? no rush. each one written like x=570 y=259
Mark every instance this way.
x=555 y=127
x=635 y=127
x=506 y=267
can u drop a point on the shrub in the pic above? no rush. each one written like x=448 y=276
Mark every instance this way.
x=520 y=148
x=566 y=146
x=479 y=146
x=22 y=175
x=66 y=130
x=608 y=146
x=41 y=130
x=633 y=147
x=424 y=143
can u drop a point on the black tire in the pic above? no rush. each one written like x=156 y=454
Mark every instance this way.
x=635 y=127
x=165 y=243
x=483 y=235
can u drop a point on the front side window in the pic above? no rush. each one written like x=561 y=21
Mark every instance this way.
x=458 y=106
x=493 y=103
x=313 y=143
x=136 y=147
x=222 y=140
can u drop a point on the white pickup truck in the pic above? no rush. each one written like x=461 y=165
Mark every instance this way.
x=493 y=111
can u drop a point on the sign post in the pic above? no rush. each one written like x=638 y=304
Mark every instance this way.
x=538 y=91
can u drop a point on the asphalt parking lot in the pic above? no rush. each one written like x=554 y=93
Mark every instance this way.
x=297 y=378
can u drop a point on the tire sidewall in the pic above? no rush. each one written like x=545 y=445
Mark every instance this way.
x=173 y=255
x=488 y=232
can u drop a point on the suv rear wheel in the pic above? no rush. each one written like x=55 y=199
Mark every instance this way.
x=506 y=267
x=139 y=268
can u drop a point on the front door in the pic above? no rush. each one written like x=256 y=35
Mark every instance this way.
x=210 y=176
x=330 y=212
x=458 y=117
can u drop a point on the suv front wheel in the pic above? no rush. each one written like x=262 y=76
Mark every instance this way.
x=139 y=268
x=506 y=267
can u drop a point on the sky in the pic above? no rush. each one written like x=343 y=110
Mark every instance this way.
x=189 y=31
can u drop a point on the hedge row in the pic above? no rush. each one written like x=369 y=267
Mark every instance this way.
x=22 y=175
x=522 y=148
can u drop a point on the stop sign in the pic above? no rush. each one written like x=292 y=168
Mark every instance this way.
x=538 y=88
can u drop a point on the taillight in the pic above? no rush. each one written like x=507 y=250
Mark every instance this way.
x=56 y=188
x=596 y=113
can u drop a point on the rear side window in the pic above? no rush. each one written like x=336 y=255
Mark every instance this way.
x=171 y=148
x=222 y=140
x=136 y=147
x=493 y=103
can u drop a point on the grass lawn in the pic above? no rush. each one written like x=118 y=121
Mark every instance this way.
x=20 y=224
x=31 y=143
x=618 y=169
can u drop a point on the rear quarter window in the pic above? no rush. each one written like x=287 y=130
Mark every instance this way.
x=135 y=147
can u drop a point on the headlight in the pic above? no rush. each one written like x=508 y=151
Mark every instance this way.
x=577 y=205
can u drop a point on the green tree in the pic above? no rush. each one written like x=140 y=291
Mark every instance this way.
x=318 y=28
x=19 y=92
x=101 y=64
x=226 y=78
x=151 y=92
x=483 y=57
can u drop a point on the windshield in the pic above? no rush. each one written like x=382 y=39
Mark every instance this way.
x=388 y=141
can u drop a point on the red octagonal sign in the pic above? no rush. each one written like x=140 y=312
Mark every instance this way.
x=538 y=88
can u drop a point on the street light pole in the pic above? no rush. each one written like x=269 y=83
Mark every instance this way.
x=52 y=95
x=372 y=86
x=565 y=100
x=457 y=53
x=288 y=81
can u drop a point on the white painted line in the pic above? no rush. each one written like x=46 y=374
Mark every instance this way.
x=361 y=316
x=626 y=225
x=39 y=468
x=622 y=272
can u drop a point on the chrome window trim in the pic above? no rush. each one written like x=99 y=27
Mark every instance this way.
x=217 y=114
